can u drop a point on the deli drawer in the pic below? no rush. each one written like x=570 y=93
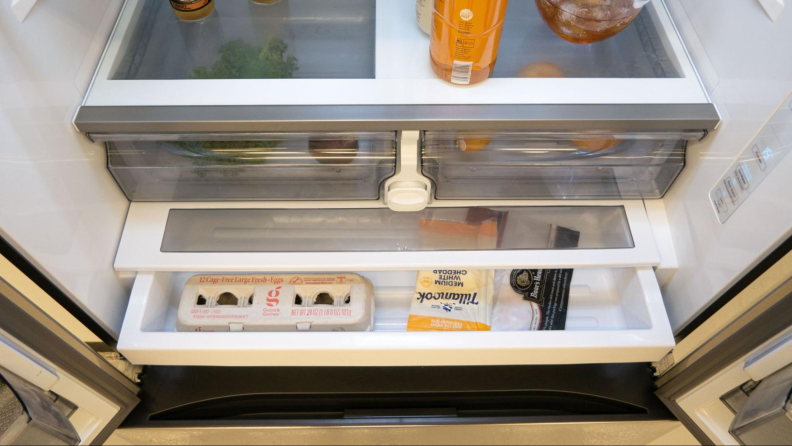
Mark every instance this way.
x=615 y=316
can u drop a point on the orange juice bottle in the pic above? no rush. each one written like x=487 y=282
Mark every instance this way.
x=465 y=39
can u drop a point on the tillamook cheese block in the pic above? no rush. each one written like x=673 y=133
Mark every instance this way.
x=277 y=302
x=452 y=300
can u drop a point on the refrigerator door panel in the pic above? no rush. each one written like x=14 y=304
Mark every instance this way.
x=720 y=366
x=44 y=363
x=614 y=316
x=710 y=413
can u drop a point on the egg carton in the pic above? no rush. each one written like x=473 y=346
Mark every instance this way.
x=276 y=302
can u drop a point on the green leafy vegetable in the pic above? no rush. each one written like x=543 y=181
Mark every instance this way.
x=240 y=60
x=223 y=153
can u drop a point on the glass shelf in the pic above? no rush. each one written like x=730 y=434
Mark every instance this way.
x=636 y=52
x=330 y=39
x=363 y=65
x=335 y=39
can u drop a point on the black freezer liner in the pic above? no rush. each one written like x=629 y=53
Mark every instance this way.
x=327 y=396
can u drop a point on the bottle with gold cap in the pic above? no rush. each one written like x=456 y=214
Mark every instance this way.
x=192 y=10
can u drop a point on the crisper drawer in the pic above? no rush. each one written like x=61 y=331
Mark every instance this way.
x=271 y=166
x=535 y=165
x=614 y=316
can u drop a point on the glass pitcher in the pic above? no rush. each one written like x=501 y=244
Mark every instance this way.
x=589 y=21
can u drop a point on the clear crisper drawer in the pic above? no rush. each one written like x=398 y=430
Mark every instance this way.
x=273 y=166
x=530 y=165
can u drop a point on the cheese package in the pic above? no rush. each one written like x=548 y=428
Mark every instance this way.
x=277 y=302
x=452 y=300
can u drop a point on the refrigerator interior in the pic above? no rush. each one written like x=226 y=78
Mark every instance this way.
x=69 y=213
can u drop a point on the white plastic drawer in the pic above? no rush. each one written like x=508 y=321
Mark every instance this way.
x=615 y=316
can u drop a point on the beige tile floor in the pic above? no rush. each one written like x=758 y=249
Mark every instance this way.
x=653 y=433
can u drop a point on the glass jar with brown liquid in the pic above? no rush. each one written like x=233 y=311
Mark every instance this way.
x=589 y=21
x=192 y=10
x=465 y=39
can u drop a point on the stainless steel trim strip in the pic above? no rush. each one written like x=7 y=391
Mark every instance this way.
x=293 y=118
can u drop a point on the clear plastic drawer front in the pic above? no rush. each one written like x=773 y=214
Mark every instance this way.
x=529 y=165
x=287 y=166
x=383 y=230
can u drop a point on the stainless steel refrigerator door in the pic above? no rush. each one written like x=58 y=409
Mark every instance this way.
x=711 y=382
x=41 y=360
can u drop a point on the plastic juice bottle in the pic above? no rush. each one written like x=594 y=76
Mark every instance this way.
x=423 y=15
x=465 y=39
x=192 y=10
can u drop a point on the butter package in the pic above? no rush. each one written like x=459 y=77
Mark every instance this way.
x=452 y=300
x=276 y=302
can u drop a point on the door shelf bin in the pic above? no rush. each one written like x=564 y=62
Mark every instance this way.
x=272 y=166
x=615 y=316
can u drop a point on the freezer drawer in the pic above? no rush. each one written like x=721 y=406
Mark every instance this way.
x=542 y=165
x=263 y=166
x=615 y=316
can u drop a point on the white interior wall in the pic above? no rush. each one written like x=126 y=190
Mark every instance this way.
x=59 y=206
x=745 y=61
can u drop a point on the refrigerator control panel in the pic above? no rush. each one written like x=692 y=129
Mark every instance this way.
x=755 y=163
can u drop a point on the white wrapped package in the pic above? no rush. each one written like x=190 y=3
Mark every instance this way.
x=276 y=302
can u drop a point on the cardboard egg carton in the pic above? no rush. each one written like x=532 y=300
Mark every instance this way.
x=276 y=302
